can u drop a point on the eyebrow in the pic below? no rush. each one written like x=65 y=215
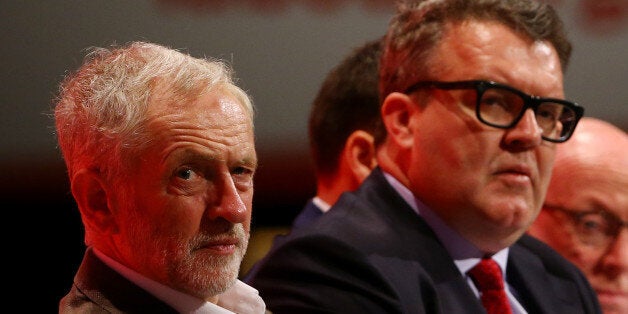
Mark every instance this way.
x=193 y=155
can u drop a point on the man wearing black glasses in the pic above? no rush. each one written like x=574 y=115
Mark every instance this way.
x=473 y=104
x=585 y=214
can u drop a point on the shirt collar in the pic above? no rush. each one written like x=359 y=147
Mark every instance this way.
x=322 y=205
x=180 y=301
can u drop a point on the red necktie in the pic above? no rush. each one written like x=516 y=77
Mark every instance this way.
x=488 y=278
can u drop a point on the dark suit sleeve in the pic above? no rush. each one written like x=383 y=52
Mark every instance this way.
x=322 y=275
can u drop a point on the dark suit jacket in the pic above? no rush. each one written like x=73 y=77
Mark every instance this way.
x=100 y=289
x=308 y=214
x=371 y=253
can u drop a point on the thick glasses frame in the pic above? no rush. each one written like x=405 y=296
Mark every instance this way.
x=593 y=227
x=532 y=102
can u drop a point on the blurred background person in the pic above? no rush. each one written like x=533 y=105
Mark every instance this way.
x=344 y=125
x=585 y=214
x=160 y=153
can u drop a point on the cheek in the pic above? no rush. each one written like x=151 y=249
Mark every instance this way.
x=585 y=258
x=545 y=162
x=570 y=247
x=545 y=159
x=146 y=190
x=180 y=216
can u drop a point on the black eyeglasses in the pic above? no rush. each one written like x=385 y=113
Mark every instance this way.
x=502 y=106
x=597 y=228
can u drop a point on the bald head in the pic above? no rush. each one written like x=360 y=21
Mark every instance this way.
x=596 y=147
x=595 y=142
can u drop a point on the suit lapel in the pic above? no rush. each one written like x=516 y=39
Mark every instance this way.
x=537 y=288
x=453 y=292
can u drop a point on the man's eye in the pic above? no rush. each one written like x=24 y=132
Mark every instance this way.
x=242 y=177
x=241 y=170
x=185 y=174
x=187 y=181
x=593 y=223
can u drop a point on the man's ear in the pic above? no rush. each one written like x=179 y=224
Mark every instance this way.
x=90 y=193
x=397 y=110
x=359 y=153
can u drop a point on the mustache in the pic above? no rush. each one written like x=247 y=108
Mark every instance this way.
x=232 y=233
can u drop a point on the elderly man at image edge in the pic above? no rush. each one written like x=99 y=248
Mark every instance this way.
x=160 y=154
x=585 y=213
x=462 y=174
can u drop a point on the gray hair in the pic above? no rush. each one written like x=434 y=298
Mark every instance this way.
x=101 y=109
x=418 y=27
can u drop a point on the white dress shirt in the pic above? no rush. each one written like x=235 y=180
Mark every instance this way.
x=322 y=205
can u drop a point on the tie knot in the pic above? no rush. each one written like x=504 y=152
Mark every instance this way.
x=487 y=275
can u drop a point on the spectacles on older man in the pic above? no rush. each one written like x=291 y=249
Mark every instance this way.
x=596 y=228
x=502 y=106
